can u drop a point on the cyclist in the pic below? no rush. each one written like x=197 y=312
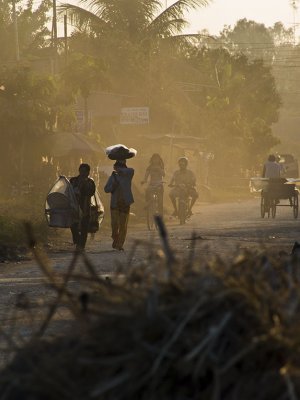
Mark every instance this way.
x=156 y=172
x=183 y=176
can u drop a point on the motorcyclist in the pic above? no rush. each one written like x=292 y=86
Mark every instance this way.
x=183 y=176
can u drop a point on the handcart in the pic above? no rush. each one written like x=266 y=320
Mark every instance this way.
x=62 y=209
x=276 y=192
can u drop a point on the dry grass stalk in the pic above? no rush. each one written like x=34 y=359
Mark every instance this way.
x=170 y=330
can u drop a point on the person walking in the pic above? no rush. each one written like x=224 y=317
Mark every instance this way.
x=119 y=185
x=84 y=188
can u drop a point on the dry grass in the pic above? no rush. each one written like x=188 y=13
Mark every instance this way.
x=167 y=329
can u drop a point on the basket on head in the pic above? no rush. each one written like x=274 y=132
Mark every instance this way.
x=120 y=152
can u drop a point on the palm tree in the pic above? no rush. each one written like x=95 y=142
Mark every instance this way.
x=137 y=39
x=135 y=20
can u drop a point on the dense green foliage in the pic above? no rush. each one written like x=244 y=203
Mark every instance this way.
x=278 y=47
x=27 y=110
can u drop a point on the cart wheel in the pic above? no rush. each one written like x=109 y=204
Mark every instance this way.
x=295 y=205
x=268 y=206
x=273 y=208
x=262 y=207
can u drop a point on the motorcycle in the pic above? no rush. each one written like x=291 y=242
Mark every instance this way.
x=183 y=202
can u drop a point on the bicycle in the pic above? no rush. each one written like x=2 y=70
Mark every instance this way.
x=153 y=204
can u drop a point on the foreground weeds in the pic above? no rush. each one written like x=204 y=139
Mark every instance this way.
x=13 y=213
x=167 y=329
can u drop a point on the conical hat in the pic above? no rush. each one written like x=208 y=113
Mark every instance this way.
x=120 y=152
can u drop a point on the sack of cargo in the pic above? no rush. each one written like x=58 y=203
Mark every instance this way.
x=120 y=152
x=61 y=208
x=97 y=213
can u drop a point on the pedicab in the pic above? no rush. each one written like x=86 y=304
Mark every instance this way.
x=276 y=192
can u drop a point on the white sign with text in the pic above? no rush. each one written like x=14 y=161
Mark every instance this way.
x=134 y=115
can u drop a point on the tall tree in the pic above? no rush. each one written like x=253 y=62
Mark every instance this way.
x=137 y=39
x=250 y=38
x=32 y=28
x=27 y=111
x=135 y=20
x=237 y=106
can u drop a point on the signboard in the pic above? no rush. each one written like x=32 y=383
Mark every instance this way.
x=79 y=116
x=134 y=115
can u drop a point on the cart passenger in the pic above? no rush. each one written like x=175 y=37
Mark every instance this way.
x=156 y=172
x=183 y=176
x=272 y=169
x=84 y=188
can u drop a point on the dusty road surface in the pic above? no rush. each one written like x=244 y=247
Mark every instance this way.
x=219 y=229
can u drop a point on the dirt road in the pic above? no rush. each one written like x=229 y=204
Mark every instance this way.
x=219 y=229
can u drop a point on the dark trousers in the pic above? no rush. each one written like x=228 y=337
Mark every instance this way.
x=119 y=223
x=80 y=232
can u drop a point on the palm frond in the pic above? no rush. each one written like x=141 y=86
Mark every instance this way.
x=166 y=27
x=81 y=18
x=175 y=12
x=192 y=36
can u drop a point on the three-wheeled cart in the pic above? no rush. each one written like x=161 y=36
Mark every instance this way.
x=276 y=192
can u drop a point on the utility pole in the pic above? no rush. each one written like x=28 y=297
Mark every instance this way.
x=294 y=6
x=16 y=33
x=54 y=34
x=66 y=38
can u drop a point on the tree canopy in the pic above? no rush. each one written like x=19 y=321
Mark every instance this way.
x=220 y=89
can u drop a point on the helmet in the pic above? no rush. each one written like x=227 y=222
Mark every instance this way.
x=183 y=159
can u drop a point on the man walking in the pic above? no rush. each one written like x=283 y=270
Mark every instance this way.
x=119 y=185
x=84 y=188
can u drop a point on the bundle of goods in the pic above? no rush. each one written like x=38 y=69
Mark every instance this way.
x=62 y=208
x=120 y=152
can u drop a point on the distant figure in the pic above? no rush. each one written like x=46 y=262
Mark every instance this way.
x=271 y=168
x=186 y=177
x=156 y=172
x=84 y=188
x=119 y=185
